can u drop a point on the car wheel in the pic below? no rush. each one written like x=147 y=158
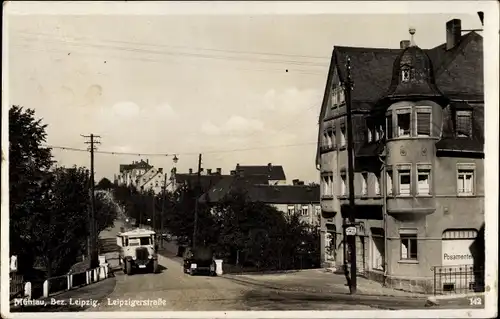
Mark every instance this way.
x=128 y=267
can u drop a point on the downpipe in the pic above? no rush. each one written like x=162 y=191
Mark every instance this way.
x=384 y=210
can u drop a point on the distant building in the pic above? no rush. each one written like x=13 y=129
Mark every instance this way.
x=418 y=126
x=275 y=174
x=289 y=199
x=142 y=176
x=208 y=178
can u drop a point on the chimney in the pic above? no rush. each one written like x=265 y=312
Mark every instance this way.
x=404 y=44
x=147 y=161
x=301 y=183
x=190 y=171
x=453 y=33
x=209 y=171
x=233 y=172
x=219 y=170
x=269 y=166
x=238 y=166
x=160 y=170
x=295 y=182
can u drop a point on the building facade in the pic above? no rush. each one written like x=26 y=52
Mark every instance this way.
x=418 y=127
x=142 y=176
x=300 y=199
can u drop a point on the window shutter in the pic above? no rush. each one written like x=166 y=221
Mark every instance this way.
x=464 y=123
x=423 y=123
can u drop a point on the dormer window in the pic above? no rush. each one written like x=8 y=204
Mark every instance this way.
x=464 y=123
x=405 y=74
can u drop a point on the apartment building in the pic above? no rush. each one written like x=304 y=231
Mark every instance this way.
x=418 y=126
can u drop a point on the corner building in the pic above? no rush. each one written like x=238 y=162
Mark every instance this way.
x=418 y=121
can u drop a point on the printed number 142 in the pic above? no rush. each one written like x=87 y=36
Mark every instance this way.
x=475 y=301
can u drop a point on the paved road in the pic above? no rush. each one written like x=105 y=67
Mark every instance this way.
x=172 y=290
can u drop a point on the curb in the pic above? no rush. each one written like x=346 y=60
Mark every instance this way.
x=435 y=301
x=311 y=290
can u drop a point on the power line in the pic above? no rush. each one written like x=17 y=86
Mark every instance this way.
x=73 y=149
x=181 y=54
x=175 y=46
x=107 y=57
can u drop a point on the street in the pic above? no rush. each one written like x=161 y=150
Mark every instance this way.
x=173 y=290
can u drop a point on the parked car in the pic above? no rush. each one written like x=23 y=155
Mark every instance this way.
x=199 y=260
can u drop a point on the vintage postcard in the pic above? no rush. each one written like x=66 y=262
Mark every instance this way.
x=250 y=159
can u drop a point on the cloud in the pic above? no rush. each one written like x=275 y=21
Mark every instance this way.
x=235 y=125
x=125 y=110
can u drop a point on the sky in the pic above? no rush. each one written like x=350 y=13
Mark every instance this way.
x=239 y=89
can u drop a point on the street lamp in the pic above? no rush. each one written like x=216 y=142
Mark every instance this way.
x=175 y=159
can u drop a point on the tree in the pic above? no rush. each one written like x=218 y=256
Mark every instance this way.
x=63 y=220
x=29 y=164
x=105 y=183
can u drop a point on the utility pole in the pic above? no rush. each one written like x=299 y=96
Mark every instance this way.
x=93 y=254
x=198 y=187
x=163 y=208
x=154 y=210
x=350 y=231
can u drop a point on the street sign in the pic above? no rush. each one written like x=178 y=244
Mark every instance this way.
x=350 y=231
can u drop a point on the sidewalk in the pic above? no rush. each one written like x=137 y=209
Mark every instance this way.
x=72 y=300
x=320 y=281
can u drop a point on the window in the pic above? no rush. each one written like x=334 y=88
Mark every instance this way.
x=341 y=98
x=291 y=209
x=377 y=184
x=409 y=246
x=318 y=210
x=405 y=74
x=404 y=181
x=343 y=185
x=342 y=136
x=423 y=123
x=464 y=123
x=364 y=186
x=389 y=183
x=369 y=135
x=465 y=181
x=388 y=125
x=305 y=211
x=333 y=140
x=327 y=185
x=423 y=187
x=404 y=124
x=377 y=133
x=325 y=140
